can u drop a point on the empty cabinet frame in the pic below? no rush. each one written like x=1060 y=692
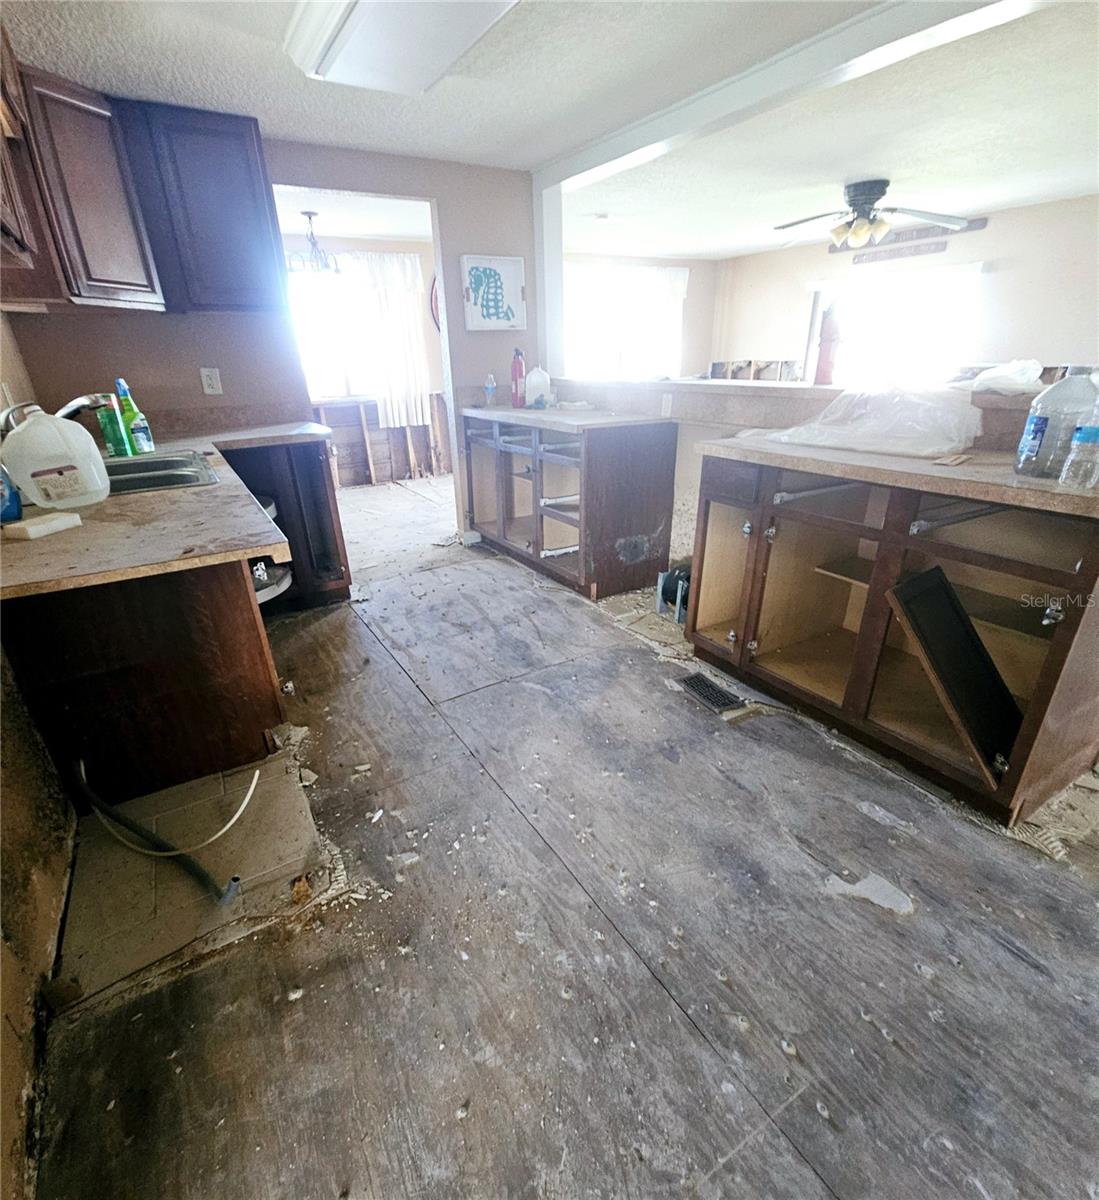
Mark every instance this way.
x=590 y=508
x=792 y=579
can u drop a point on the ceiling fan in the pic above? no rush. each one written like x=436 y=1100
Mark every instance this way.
x=863 y=221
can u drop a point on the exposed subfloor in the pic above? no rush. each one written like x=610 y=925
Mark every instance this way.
x=600 y=944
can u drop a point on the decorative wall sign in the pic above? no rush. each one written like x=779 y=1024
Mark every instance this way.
x=495 y=293
x=916 y=233
x=915 y=250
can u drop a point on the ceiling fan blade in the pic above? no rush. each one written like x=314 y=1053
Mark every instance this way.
x=819 y=217
x=955 y=223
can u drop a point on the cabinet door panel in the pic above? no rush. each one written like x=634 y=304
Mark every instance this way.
x=89 y=194
x=15 y=227
x=220 y=207
x=31 y=277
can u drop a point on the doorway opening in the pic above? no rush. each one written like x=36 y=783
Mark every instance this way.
x=364 y=303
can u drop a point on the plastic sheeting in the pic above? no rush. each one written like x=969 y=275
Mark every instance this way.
x=918 y=424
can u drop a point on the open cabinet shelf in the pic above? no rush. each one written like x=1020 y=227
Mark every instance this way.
x=798 y=595
x=591 y=508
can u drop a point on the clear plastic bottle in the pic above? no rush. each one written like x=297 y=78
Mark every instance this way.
x=1054 y=415
x=1081 y=469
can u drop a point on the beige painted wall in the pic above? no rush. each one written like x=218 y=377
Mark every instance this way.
x=159 y=355
x=477 y=210
x=1039 y=288
x=13 y=371
x=295 y=242
x=698 y=307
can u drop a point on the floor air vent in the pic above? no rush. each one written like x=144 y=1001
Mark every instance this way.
x=715 y=698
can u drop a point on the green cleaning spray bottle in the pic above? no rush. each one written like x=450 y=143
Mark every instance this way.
x=137 y=427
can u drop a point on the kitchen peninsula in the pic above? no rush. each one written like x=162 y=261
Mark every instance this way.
x=136 y=638
x=801 y=557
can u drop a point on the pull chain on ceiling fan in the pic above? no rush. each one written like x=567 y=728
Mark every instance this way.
x=863 y=221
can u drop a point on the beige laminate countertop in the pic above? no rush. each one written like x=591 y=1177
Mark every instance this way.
x=562 y=420
x=137 y=534
x=985 y=476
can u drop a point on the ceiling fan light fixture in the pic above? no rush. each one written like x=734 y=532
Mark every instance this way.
x=879 y=229
x=839 y=234
x=859 y=233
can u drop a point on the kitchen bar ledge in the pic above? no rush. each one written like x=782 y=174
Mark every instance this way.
x=138 y=534
x=987 y=476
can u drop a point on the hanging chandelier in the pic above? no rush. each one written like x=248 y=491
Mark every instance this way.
x=317 y=259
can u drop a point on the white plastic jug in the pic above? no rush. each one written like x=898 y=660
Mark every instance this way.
x=538 y=386
x=54 y=462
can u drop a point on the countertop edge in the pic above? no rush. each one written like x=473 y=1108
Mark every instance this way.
x=278 y=551
x=921 y=475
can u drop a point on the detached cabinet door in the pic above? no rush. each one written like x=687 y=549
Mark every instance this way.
x=220 y=208
x=89 y=195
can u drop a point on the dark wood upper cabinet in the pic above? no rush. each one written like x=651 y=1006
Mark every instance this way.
x=31 y=270
x=13 y=104
x=89 y=195
x=16 y=231
x=208 y=205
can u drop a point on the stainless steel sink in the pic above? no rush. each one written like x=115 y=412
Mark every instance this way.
x=151 y=472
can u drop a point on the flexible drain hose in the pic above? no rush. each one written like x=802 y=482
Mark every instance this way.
x=162 y=848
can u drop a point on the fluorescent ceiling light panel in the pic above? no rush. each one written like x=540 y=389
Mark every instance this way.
x=387 y=47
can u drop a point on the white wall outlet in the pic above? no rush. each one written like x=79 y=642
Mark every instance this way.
x=211 y=380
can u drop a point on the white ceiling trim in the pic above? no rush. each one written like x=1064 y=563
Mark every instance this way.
x=888 y=34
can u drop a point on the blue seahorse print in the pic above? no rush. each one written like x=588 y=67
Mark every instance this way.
x=488 y=291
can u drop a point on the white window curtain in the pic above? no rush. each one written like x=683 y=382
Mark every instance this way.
x=623 y=320
x=360 y=332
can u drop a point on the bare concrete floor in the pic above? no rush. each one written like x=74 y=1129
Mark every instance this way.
x=599 y=944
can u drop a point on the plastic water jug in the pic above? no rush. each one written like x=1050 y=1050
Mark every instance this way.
x=1054 y=415
x=55 y=463
x=538 y=388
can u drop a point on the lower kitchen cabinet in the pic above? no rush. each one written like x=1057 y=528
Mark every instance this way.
x=150 y=681
x=796 y=588
x=298 y=477
x=585 y=500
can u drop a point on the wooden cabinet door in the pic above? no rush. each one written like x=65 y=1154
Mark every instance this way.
x=89 y=194
x=28 y=259
x=13 y=105
x=16 y=233
x=219 y=206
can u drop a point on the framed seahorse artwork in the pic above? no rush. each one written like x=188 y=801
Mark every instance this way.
x=495 y=292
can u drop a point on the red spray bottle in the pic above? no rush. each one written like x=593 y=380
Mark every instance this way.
x=518 y=379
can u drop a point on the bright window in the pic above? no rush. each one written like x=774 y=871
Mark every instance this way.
x=360 y=333
x=914 y=327
x=623 y=320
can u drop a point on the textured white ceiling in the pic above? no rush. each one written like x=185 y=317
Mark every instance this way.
x=1003 y=118
x=548 y=78
x=352 y=214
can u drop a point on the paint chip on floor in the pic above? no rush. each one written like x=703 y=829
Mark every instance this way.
x=874 y=888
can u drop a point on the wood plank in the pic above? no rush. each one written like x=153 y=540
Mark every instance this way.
x=456 y=629
x=918 y=1032
x=364 y=428
x=360 y=706
x=474 y=1027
